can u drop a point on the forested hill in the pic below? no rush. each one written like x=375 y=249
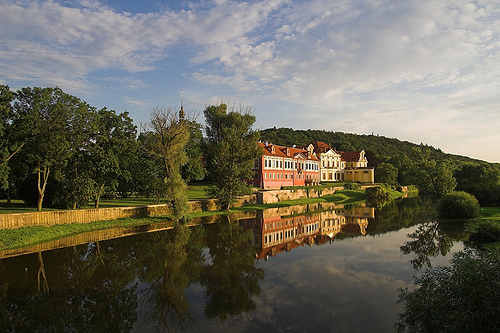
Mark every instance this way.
x=383 y=148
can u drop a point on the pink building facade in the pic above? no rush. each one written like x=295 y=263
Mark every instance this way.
x=285 y=166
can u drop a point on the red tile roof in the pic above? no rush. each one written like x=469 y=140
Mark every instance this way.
x=350 y=156
x=320 y=147
x=283 y=151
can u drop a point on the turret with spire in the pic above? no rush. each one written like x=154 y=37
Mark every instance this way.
x=182 y=114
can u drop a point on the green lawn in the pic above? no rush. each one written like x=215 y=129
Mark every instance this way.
x=17 y=206
x=196 y=191
x=486 y=214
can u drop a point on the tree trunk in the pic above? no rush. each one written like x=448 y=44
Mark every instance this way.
x=98 y=196
x=7 y=193
x=42 y=185
x=42 y=285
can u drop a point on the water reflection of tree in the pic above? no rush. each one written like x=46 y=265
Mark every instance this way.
x=231 y=278
x=181 y=251
x=401 y=213
x=427 y=241
x=89 y=292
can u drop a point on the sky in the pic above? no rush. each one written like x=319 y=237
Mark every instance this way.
x=416 y=70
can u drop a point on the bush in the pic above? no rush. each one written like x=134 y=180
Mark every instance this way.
x=352 y=186
x=380 y=192
x=458 y=205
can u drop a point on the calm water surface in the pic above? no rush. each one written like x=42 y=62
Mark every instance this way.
x=302 y=269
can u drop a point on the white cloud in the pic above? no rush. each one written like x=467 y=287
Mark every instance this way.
x=410 y=68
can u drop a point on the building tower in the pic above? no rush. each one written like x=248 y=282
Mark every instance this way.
x=182 y=114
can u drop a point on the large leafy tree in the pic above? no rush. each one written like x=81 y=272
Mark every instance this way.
x=386 y=173
x=194 y=168
x=480 y=179
x=231 y=150
x=432 y=176
x=436 y=178
x=74 y=182
x=43 y=121
x=111 y=145
x=6 y=117
x=406 y=169
x=148 y=175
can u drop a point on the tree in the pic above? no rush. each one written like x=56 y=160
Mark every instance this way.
x=231 y=150
x=148 y=174
x=406 y=169
x=436 y=178
x=194 y=169
x=74 y=183
x=480 y=179
x=43 y=120
x=433 y=177
x=168 y=139
x=386 y=173
x=6 y=117
x=111 y=145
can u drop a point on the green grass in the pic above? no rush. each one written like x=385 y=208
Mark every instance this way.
x=17 y=206
x=14 y=238
x=196 y=191
x=486 y=214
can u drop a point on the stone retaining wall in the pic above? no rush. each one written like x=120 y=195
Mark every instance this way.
x=265 y=197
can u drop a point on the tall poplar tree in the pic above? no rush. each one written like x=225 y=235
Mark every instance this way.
x=167 y=144
x=231 y=151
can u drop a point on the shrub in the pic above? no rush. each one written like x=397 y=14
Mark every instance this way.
x=352 y=186
x=458 y=205
x=380 y=192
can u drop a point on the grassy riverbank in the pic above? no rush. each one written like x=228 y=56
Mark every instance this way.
x=15 y=238
x=488 y=216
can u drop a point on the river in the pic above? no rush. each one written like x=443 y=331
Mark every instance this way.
x=302 y=269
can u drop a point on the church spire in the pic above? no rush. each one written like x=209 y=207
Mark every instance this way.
x=182 y=114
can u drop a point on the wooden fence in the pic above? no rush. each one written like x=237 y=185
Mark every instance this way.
x=49 y=218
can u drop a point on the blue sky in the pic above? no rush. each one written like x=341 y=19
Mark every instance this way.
x=420 y=71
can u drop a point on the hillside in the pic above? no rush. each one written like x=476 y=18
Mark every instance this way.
x=383 y=148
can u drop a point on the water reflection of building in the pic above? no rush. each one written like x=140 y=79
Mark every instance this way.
x=275 y=234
